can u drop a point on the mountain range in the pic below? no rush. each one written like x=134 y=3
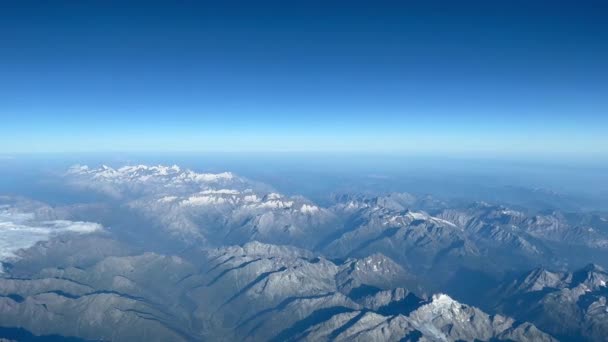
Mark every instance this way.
x=168 y=253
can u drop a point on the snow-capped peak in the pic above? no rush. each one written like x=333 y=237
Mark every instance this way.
x=144 y=173
x=442 y=300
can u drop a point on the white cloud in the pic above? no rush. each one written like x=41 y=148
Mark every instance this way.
x=20 y=230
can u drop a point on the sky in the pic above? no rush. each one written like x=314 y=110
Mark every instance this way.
x=475 y=78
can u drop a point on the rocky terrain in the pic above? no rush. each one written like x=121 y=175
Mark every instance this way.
x=575 y=299
x=172 y=254
x=251 y=292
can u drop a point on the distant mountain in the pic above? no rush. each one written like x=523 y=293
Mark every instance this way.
x=141 y=180
x=209 y=209
x=553 y=226
x=490 y=238
x=413 y=238
x=518 y=240
x=421 y=233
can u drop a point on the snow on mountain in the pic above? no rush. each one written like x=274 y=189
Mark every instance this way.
x=397 y=201
x=208 y=208
x=439 y=319
x=256 y=291
x=282 y=293
x=375 y=270
x=444 y=319
x=143 y=179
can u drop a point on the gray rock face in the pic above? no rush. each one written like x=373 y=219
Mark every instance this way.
x=491 y=239
x=570 y=305
x=343 y=302
x=212 y=210
x=529 y=235
x=252 y=292
x=413 y=238
x=218 y=257
x=447 y=320
x=439 y=319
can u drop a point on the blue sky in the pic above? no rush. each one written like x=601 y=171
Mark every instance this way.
x=488 y=78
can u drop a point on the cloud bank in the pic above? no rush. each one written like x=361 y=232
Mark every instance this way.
x=22 y=229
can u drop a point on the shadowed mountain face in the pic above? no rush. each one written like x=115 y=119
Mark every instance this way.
x=254 y=292
x=170 y=254
x=576 y=299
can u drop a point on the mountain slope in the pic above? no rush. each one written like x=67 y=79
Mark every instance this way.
x=571 y=305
